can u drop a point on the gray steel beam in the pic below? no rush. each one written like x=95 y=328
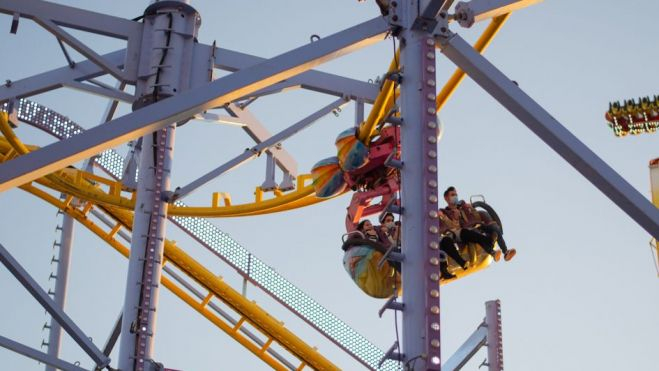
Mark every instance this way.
x=37 y=355
x=494 y=335
x=61 y=283
x=259 y=133
x=256 y=150
x=561 y=140
x=71 y=17
x=59 y=77
x=185 y=105
x=419 y=194
x=178 y=278
x=467 y=350
x=80 y=47
x=321 y=82
x=115 y=95
x=114 y=336
x=62 y=318
x=112 y=106
x=231 y=61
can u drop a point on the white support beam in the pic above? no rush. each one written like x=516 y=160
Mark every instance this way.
x=467 y=350
x=255 y=129
x=256 y=151
x=80 y=47
x=468 y=13
x=37 y=355
x=75 y=18
x=317 y=81
x=555 y=135
x=51 y=307
x=59 y=77
x=58 y=155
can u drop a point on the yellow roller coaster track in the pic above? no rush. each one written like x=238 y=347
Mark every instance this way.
x=112 y=193
x=269 y=327
x=117 y=202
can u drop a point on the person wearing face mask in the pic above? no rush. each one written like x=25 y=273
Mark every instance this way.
x=449 y=230
x=470 y=218
x=467 y=233
x=390 y=229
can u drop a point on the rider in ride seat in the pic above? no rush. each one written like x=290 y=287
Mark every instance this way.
x=466 y=234
x=367 y=235
x=471 y=218
x=449 y=230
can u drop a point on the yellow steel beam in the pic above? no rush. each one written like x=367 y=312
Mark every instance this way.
x=255 y=315
x=481 y=44
x=382 y=104
x=76 y=182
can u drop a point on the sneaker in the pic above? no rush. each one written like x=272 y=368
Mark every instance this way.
x=510 y=254
x=497 y=255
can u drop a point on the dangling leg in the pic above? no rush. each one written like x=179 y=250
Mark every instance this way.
x=468 y=235
x=443 y=268
x=447 y=244
x=494 y=232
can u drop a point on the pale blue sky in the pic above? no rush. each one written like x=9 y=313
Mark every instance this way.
x=581 y=293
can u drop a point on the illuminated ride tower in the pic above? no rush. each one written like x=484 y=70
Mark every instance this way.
x=639 y=117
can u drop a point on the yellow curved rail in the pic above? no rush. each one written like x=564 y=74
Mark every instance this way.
x=77 y=183
x=251 y=313
x=86 y=186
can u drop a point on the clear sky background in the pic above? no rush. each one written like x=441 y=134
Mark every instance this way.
x=581 y=293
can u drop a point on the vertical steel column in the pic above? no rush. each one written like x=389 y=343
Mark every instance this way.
x=63 y=263
x=170 y=31
x=420 y=270
x=494 y=335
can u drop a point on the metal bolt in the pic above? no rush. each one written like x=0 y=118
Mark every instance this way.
x=434 y=293
x=434 y=245
x=434 y=309
x=434 y=277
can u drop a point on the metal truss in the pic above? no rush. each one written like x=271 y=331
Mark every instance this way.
x=422 y=24
x=187 y=104
x=224 y=247
x=488 y=334
x=52 y=308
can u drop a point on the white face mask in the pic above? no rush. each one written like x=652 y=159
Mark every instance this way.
x=389 y=225
x=455 y=200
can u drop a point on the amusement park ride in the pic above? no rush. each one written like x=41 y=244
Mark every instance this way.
x=388 y=160
x=635 y=118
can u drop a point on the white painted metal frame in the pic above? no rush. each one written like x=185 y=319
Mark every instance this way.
x=52 y=308
x=555 y=135
x=184 y=106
